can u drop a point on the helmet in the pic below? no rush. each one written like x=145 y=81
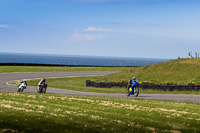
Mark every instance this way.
x=134 y=78
x=24 y=80
x=43 y=79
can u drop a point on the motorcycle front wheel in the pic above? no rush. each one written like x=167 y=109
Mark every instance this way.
x=136 y=91
x=39 y=89
x=22 y=89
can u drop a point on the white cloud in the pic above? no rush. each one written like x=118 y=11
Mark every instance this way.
x=79 y=36
x=85 y=37
x=4 y=26
x=97 y=29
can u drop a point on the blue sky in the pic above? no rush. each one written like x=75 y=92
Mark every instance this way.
x=121 y=28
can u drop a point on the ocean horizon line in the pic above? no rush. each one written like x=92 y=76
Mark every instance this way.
x=69 y=55
x=76 y=59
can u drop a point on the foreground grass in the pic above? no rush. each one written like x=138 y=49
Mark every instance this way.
x=22 y=112
x=12 y=69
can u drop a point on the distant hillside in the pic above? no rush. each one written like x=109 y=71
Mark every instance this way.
x=180 y=71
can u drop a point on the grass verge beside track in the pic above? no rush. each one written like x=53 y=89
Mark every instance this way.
x=23 y=112
x=13 y=69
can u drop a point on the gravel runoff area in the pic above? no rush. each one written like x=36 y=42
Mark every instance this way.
x=6 y=77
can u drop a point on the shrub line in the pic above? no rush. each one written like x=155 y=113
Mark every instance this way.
x=61 y=65
x=145 y=86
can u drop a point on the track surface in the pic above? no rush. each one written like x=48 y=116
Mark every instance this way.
x=6 y=77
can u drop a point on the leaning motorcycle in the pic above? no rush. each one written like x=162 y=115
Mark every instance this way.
x=41 y=89
x=21 y=87
x=132 y=89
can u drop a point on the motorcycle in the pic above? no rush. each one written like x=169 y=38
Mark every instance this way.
x=42 y=89
x=21 y=87
x=132 y=89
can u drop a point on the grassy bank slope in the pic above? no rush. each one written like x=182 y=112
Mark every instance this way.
x=181 y=71
x=23 y=112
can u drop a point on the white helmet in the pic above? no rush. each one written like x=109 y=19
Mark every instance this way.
x=134 y=78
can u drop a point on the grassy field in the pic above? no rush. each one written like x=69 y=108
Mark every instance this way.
x=23 y=112
x=13 y=69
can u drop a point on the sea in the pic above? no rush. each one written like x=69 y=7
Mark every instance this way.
x=76 y=59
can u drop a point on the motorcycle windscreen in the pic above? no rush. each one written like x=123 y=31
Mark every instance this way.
x=131 y=91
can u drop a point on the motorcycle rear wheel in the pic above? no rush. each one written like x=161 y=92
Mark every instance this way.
x=19 y=90
x=44 y=90
x=127 y=93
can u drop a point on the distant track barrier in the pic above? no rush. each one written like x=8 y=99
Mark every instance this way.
x=145 y=86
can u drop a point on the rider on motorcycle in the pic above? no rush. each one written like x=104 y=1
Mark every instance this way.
x=25 y=83
x=42 y=83
x=22 y=85
x=131 y=82
x=132 y=87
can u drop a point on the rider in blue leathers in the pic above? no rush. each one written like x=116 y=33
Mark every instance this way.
x=132 y=82
x=132 y=87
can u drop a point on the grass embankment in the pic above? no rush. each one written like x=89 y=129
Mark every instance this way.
x=23 y=112
x=180 y=71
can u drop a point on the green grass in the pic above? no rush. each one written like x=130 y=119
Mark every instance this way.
x=23 y=112
x=72 y=83
x=13 y=69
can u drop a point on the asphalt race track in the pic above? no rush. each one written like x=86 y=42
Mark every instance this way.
x=6 y=77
